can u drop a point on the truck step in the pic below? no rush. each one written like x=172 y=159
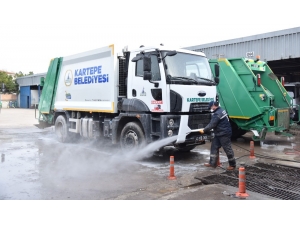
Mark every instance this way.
x=158 y=134
x=155 y=118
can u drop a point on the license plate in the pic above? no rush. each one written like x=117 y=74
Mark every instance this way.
x=201 y=138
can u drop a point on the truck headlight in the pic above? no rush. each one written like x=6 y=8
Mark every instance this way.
x=171 y=122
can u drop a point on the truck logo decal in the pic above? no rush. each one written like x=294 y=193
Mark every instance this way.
x=201 y=93
x=157 y=108
x=200 y=99
x=68 y=77
x=143 y=93
x=90 y=75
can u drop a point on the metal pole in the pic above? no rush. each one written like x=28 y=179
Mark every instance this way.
x=39 y=92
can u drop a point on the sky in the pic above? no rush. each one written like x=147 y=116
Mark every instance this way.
x=33 y=32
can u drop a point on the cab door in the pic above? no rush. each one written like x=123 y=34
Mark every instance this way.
x=153 y=93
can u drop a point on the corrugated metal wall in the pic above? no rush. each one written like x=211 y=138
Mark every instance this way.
x=276 y=45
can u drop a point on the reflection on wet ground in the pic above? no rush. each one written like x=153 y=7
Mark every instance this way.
x=35 y=166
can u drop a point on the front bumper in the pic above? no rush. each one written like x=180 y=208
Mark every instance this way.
x=192 y=136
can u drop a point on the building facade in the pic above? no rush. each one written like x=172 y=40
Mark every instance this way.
x=29 y=90
x=280 y=49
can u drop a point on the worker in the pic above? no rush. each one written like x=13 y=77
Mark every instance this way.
x=222 y=130
x=0 y=106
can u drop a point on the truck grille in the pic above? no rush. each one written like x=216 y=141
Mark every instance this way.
x=198 y=107
x=198 y=121
x=122 y=78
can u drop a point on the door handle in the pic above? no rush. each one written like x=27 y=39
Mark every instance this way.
x=133 y=92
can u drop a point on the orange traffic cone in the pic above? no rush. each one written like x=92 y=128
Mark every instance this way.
x=252 y=156
x=172 y=176
x=242 y=184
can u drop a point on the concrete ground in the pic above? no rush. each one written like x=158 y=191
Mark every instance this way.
x=35 y=166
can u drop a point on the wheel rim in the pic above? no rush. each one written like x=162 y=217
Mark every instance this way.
x=131 y=139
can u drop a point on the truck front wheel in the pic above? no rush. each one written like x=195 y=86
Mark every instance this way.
x=132 y=136
x=61 y=129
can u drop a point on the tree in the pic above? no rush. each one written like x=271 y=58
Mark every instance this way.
x=20 y=74
x=9 y=83
x=30 y=73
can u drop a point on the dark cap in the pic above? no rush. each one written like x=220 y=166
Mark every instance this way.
x=212 y=103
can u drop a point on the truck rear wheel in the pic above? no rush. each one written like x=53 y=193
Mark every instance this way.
x=61 y=129
x=236 y=131
x=132 y=136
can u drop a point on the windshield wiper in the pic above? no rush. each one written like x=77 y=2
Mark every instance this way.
x=206 y=79
x=184 y=78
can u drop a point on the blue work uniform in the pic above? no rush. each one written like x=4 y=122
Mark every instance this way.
x=222 y=130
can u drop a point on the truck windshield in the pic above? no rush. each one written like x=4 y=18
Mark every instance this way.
x=185 y=68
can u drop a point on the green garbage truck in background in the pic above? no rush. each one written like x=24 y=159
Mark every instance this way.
x=254 y=98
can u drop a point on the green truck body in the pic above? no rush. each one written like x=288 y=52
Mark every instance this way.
x=253 y=97
x=46 y=104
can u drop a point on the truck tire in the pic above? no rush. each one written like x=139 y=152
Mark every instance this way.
x=236 y=131
x=132 y=136
x=61 y=129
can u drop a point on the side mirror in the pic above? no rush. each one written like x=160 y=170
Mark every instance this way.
x=217 y=70
x=170 y=53
x=147 y=75
x=147 y=63
x=137 y=58
x=217 y=80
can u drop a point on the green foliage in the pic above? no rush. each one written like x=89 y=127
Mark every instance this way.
x=20 y=74
x=11 y=86
x=9 y=83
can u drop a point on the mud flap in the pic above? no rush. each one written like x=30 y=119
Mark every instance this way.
x=261 y=136
x=42 y=125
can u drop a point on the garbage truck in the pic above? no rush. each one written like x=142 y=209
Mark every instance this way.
x=255 y=99
x=131 y=96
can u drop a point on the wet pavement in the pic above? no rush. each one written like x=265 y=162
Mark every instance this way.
x=34 y=165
